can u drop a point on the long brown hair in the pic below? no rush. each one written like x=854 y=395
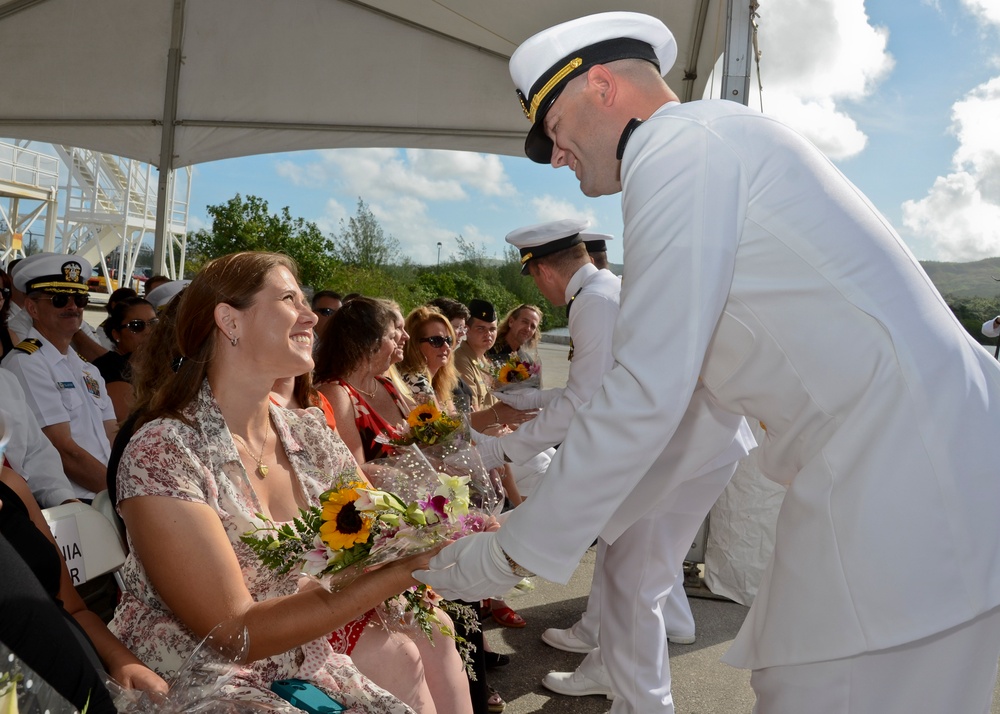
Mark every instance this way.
x=446 y=378
x=352 y=335
x=234 y=279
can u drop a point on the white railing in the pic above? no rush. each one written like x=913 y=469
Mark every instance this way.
x=28 y=167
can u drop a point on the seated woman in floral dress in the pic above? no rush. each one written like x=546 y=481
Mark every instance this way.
x=211 y=453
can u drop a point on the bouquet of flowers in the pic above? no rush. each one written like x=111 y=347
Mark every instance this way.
x=357 y=527
x=427 y=425
x=515 y=372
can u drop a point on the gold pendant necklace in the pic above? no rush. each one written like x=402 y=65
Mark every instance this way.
x=261 y=469
x=370 y=395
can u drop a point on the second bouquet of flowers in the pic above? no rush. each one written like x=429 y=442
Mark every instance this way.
x=516 y=372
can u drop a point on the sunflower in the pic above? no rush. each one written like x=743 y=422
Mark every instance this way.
x=344 y=526
x=423 y=414
x=513 y=373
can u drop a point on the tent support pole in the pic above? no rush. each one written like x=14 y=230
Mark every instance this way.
x=166 y=165
x=736 y=63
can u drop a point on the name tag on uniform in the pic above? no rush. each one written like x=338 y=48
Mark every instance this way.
x=66 y=385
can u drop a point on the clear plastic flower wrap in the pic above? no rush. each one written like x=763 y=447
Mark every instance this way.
x=198 y=685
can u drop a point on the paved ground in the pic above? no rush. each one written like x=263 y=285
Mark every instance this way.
x=701 y=684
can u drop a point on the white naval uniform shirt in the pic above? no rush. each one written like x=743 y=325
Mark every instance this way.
x=62 y=388
x=591 y=324
x=737 y=233
x=29 y=451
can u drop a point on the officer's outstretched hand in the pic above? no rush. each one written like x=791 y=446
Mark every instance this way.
x=527 y=398
x=472 y=568
x=489 y=450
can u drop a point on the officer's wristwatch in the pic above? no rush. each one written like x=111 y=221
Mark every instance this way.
x=519 y=570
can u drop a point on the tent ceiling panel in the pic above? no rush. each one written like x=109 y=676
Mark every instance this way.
x=262 y=76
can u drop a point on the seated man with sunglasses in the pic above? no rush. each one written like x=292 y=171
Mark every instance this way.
x=66 y=394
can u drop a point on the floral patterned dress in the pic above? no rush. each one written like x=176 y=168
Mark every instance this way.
x=200 y=464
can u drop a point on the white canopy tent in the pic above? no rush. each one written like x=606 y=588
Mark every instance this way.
x=180 y=82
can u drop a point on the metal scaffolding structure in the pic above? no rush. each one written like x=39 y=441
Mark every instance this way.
x=96 y=205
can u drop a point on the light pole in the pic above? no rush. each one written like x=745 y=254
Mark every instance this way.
x=439 y=253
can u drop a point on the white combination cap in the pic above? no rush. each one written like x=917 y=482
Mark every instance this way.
x=163 y=294
x=544 y=239
x=596 y=242
x=52 y=273
x=544 y=63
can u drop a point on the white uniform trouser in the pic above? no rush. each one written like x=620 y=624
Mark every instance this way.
x=953 y=671
x=676 y=610
x=639 y=572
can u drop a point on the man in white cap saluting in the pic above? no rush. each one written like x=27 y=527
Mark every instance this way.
x=883 y=590
x=637 y=599
x=66 y=394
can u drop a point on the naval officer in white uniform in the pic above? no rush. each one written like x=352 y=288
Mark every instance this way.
x=66 y=394
x=640 y=576
x=883 y=589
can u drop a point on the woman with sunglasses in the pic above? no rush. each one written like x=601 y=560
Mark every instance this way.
x=126 y=328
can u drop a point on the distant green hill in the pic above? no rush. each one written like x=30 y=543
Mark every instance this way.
x=965 y=280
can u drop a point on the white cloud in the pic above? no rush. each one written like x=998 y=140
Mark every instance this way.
x=987 y=11
x=815 y=54
x=484 y=172
x=399 y=187
x=960 y=215
x=382 y=173
x=549 y=208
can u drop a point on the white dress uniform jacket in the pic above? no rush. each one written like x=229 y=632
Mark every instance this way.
x=62 y=388
x=737 y=234
x=29 y=452
x=591 y=321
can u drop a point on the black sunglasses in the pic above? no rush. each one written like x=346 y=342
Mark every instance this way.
x=61 y=300
x=325 y=311
x=137 y=326
x=437 y=341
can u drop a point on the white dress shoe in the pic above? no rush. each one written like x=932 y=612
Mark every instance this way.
x=681 y=639
x=565 y=640
x=574 y=684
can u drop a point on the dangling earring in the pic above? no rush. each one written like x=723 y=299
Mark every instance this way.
x=233 y=340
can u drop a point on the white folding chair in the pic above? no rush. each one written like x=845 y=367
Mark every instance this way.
x=90 y=544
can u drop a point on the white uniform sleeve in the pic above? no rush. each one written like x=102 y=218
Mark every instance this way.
x=684 y=201
x=40 y=392
x=592 y=323
x=29 y=451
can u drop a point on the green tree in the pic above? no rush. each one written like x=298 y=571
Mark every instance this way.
x=363 y=243
x=239 y=225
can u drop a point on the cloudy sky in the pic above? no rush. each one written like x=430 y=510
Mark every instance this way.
x=904 y=95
